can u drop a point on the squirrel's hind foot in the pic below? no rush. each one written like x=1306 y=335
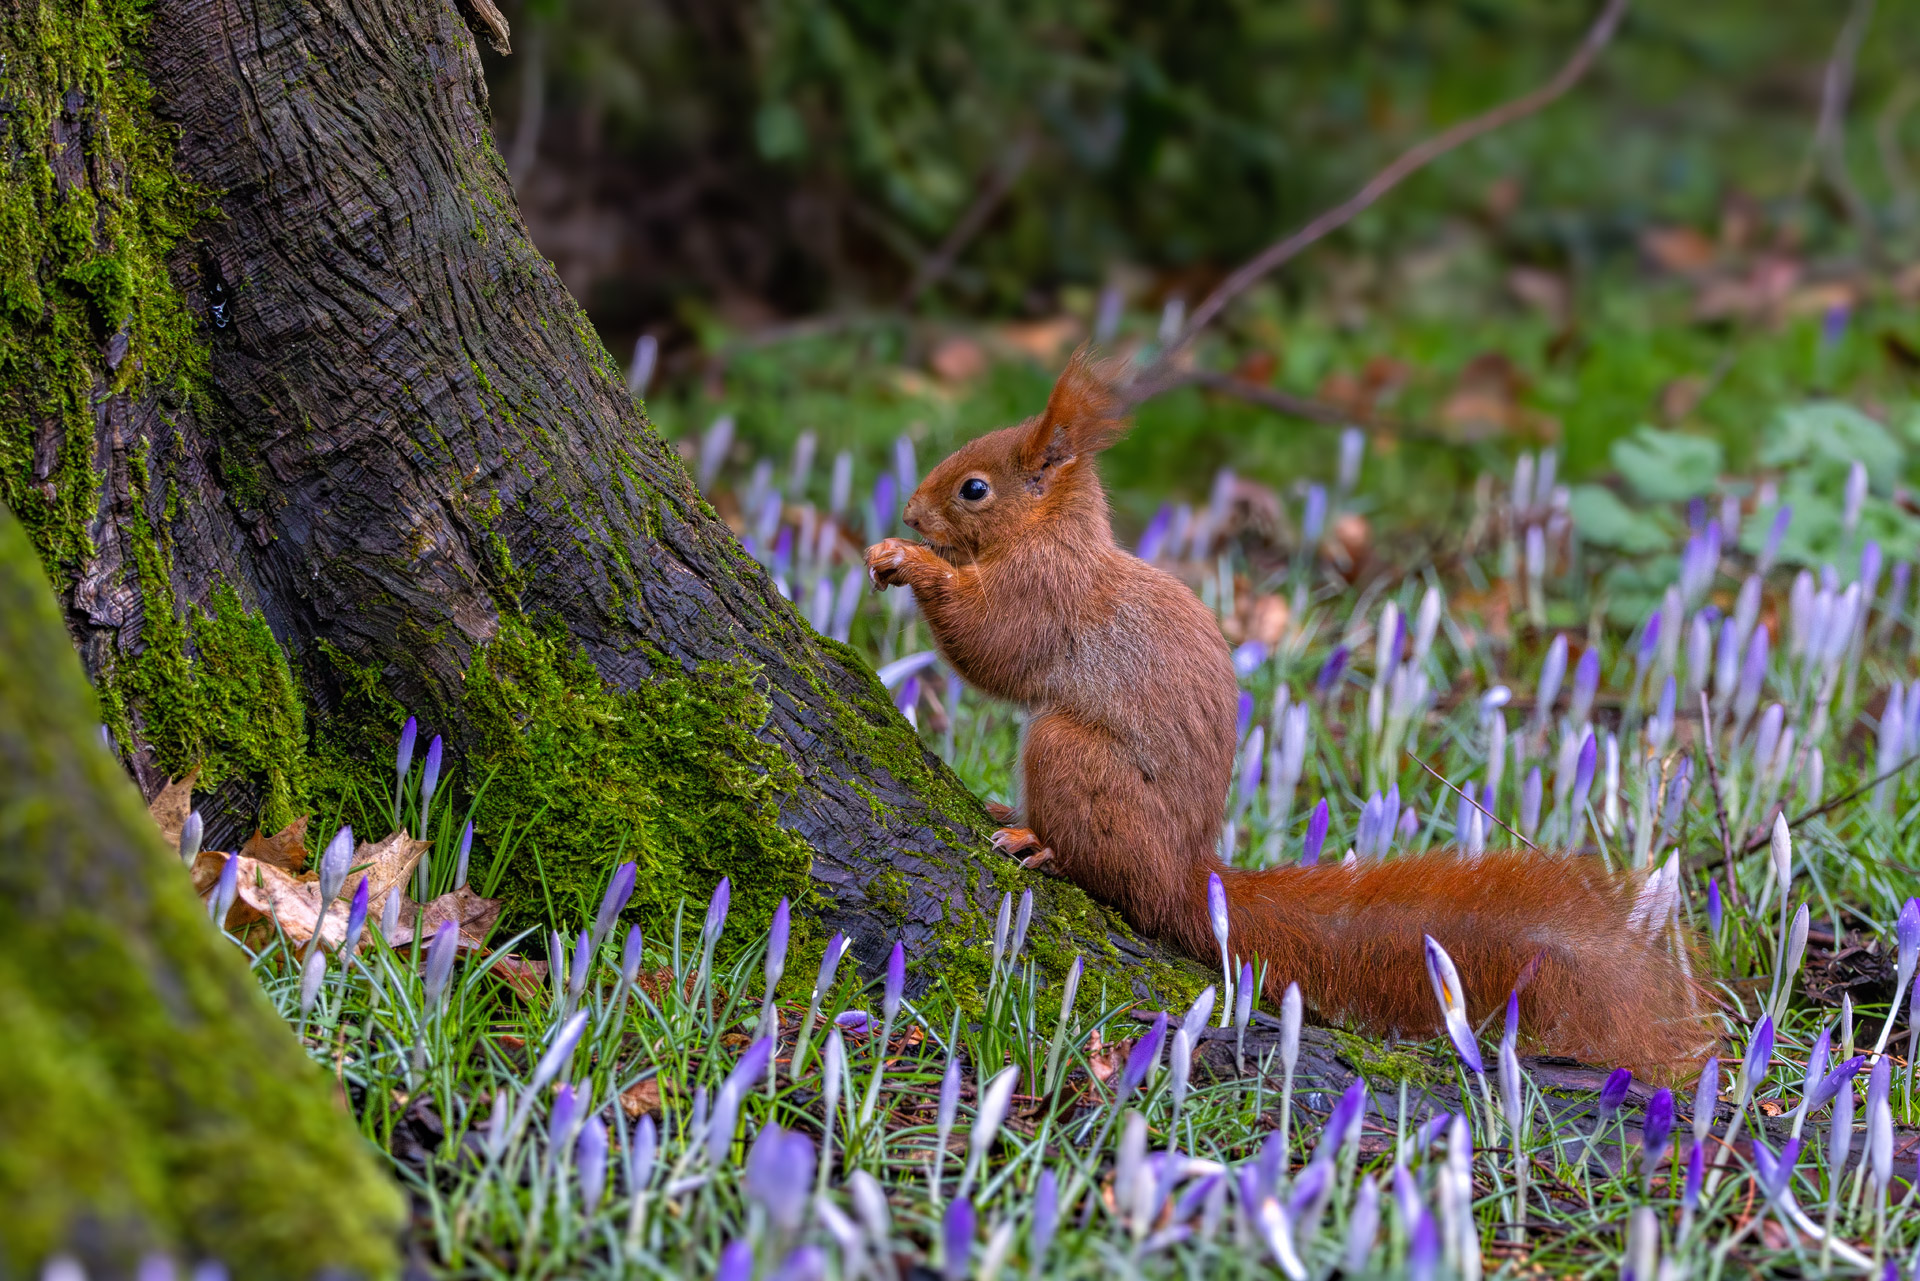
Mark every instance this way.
x=1002 y=814
x=1015 y=840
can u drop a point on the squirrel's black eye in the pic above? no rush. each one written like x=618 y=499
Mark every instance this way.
x=974 y=489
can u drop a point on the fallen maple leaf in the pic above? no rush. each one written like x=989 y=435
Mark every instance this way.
x=285 y=849
x=527 y=978
x=171 y=807
x=269 y=892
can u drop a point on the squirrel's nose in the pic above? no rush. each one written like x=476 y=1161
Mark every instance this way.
x=912 y=518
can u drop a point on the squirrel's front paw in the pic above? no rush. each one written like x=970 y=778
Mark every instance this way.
x=889 y=560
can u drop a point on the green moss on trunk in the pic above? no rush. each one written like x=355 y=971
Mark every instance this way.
x=150 y=1096
x=671 y=775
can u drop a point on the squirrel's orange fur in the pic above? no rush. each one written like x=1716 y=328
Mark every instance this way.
x=1130 y=751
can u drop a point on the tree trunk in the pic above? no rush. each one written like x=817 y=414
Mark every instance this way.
x=311 y=436
x=150 y=1097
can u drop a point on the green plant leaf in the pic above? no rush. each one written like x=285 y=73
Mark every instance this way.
x=1665 y=466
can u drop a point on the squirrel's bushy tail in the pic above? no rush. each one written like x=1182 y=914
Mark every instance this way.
x=1604 y=974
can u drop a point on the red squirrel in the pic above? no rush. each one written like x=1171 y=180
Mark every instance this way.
x=1129 y=754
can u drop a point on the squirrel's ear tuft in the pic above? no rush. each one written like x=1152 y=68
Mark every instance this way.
x=1084 y=414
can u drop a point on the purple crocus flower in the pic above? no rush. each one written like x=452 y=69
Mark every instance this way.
x=1423 y=1249
x=1833 y=325
x=1217 y=908
x=1586 y=683
x=225 y=890
x=1716 y=914
x=1316 y=833
x=736 y=1262
x=858 y=1022
x=1046 y=1217
x=777 y=934
x=1583 y=772
x=590 y=1160
x=1552 y=672
x=1612 y=1094
x=779 y=1175
x=1775 y=533
x=403 y=756
x=1776 y=1173
x=440 y=954
x=1153 y=539
x=356 y=919
x=463 y=856
x=1248 y=656
x=1530 y=795
x=1332 y=670
x=885 y=501
x=1753 y=1069
x=1145 y=1053
x=1706 y=1094
x=1313 y=517
x=907 y=698
x=1650 y=638
x=335 y=862
x=1244 y=717
x=1696 y=1173
x=581 y=967
x=558 y=1054
x=632 y=956
x=566 y=1110
x=1833 y=1082
x=192 y=833
x=1655 y=1129
x=614 y=901
x=430 y=776
x=956 y=1240
x=896 y=984
x=1453 y=1004
x=717 y=910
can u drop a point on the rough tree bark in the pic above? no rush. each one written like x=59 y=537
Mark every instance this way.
x=309 y=436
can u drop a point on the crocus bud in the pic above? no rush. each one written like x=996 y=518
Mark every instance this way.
x=896 y=983
x=403 y=756
x=1655 y=1130
x=430 y=776
x=1199 y=1012
x=1316 y=833
x=1880 y=1124
x=1715 y=913
x=192 y=832
x=225 y=890
x=464 y=856
x=440 y=953
x=312 y=975
x=1782 y=848
x=829 y=962
x=613 y=902
x=632 y=956
x=590 y=1161
x=717 y=911
x=1613 y=1092
x=1552 y=672
x=995 y=1099
x=949 y=1105
x=1759 y=1055
x=956 y=1240
x=1243 y=997
x=1706 y=1097
x=559 y=1053
x=335 y=862
x=390 y=914
x=1002 y=928
x=356 y=920
x=1022 y=918
x=1145 y=1053
x=1291 y=1010
x=1453 y=1005
x=779 y=1175
x=1586 y=683
x=1046 y=1217
x=736 y=1262
x=777 y=933
x=1332 y=670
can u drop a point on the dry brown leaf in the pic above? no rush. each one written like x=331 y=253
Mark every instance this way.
x=271 y=893
x=1681 y=250
x=958 y=359
x=1039 y=340
x=472 y=914
x=1105 y=1062
x=285 y=849
x=642 y=1097
x=171 y=807
x=527 y=978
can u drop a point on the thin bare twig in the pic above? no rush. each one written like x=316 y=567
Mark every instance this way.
x=999 y=184
x=1719 y=800
x=1471 y=801
x=1410 y=161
